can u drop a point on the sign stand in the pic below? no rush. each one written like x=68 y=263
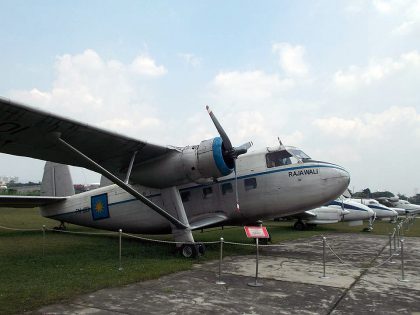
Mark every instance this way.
x=256 y=283
x=256 y=232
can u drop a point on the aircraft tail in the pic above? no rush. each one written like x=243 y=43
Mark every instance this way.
x=56 y=180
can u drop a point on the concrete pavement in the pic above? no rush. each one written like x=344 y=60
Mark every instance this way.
x=363 y=283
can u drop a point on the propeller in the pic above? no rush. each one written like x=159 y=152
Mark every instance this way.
x=230 y=153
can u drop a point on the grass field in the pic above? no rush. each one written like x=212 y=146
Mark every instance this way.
x=37 y=270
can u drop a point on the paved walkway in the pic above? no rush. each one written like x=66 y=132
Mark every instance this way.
x=290 y=275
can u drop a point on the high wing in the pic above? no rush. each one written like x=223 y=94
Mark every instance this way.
x=28 y=201
x=27 y=131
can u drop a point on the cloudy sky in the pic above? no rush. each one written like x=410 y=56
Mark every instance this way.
x=339 y=79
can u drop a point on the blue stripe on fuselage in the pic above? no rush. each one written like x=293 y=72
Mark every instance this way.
x=276 y=170
x=346 y=206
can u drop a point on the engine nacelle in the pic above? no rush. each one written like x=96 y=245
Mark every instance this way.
x=189 y=164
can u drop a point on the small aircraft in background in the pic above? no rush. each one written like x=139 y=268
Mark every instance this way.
x=403 y=207
x=381 y=212
x=162 y=189
x=338 y=210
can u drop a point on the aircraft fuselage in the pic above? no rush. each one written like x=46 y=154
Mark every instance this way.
x=264 y=193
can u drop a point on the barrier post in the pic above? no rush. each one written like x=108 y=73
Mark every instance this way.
x=256 y=283
x=403 y=279
x=390 y=249
x=43 y=240
x=324 y=241
x=120 y=243
x=220 y=263
x=395 y=242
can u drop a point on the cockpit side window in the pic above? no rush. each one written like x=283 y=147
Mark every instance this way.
x=278 y=158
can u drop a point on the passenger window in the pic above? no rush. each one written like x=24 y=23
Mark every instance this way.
x=250 y=183
x=278 y=158
x=227 y=188
x=207 y=192
x=185 y=196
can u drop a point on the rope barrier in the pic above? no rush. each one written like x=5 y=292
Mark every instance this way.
x=382 y=263
x=166 y=242
x=336 y=254
x=17 y=229
x=82 y=233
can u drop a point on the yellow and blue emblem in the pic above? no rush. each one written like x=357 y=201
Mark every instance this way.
x=99 y=207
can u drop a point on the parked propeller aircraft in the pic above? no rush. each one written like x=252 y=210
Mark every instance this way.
x=163 y=189
x=338 y=210
x=404 y=206
x=381 y=212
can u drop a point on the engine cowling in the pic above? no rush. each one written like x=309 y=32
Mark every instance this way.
x=195 y=163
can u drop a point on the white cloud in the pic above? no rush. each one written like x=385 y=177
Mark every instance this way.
x=190 y=59
x=250 y=86
x=401 y=122
x=106 y=93
x=383 y=6
x=377 y=70
x=406 y=13
x=291 y=59
x=145 y=65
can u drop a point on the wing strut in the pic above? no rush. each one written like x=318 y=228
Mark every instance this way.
x=126 y=187
x=130 y=167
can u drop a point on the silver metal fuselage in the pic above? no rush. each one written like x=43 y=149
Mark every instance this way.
x=264 y=193
x=381 y=211
x=355 y=211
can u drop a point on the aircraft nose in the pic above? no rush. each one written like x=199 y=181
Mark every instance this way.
x=338 y=176
x=394 y=213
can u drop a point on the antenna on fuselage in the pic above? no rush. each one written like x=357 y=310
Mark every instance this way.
x=281 y=144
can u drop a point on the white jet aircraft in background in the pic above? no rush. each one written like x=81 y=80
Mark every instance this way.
x=381 y=212
x=162 y=189
x=404 y=206
x=338 y=210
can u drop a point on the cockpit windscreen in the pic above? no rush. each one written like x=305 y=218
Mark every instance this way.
x=299 y=154
x=285 y=157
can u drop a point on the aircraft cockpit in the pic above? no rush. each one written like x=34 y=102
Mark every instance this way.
x=285 y=156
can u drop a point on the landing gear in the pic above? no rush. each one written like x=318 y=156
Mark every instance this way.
x=189 y=250
x=369 y=228
x=299 y=225
x=192 y=250
x=61 y=227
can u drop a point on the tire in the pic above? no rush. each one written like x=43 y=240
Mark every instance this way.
x=189 y=250
x=299 y=226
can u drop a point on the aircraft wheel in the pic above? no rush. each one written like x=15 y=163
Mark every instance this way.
x=299 y=225
x=189 y=250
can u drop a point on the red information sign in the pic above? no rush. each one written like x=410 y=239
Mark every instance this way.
x=256 y=232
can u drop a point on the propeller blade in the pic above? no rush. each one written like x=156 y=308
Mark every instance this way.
x=230 y=151
x=226 y=141
x=236 y=186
